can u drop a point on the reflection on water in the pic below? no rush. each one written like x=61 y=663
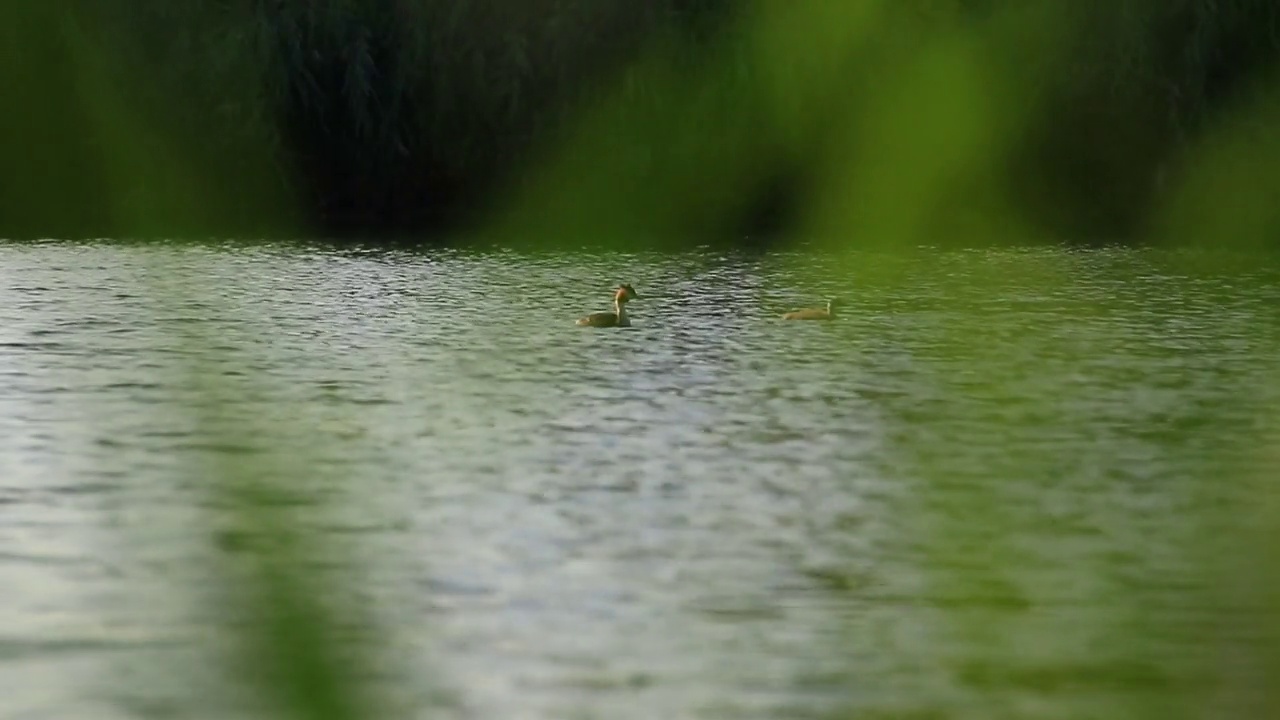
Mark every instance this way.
x=992 y=486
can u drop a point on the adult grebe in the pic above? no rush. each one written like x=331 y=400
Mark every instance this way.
x=814 y=313
x=618 y=318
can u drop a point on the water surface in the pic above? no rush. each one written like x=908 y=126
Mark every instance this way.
x=998 y=486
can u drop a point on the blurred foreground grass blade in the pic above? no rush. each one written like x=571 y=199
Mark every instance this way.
x=689 y=137
x=1266 y=628
x=283 y=593
x=47 y=163
x=663 y=158
x=902 y=125
x=918 y=141
x=86 y=151
x=925 y=155
x=800 y=56
x=1226 y=190
x=286 y=619
x=149 y=189
x=285 y=616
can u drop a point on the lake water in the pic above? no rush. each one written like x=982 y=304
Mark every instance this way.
x=1002 y=484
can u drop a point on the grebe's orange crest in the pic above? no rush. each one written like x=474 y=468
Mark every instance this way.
x=625 y=293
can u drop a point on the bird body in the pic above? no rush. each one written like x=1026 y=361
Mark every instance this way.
x=618 y=318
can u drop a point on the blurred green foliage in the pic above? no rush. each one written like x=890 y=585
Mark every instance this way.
x=879 y=124
x=677 y=119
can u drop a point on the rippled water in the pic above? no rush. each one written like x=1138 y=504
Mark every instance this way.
x=997 y=486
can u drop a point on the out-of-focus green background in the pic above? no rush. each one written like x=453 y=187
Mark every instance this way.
x=674 y=122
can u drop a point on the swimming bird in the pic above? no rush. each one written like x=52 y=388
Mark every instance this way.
x=622 y=295
x=814 y=313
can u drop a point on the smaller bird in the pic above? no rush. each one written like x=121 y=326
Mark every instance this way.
x=622 y=295
x=829 y=313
